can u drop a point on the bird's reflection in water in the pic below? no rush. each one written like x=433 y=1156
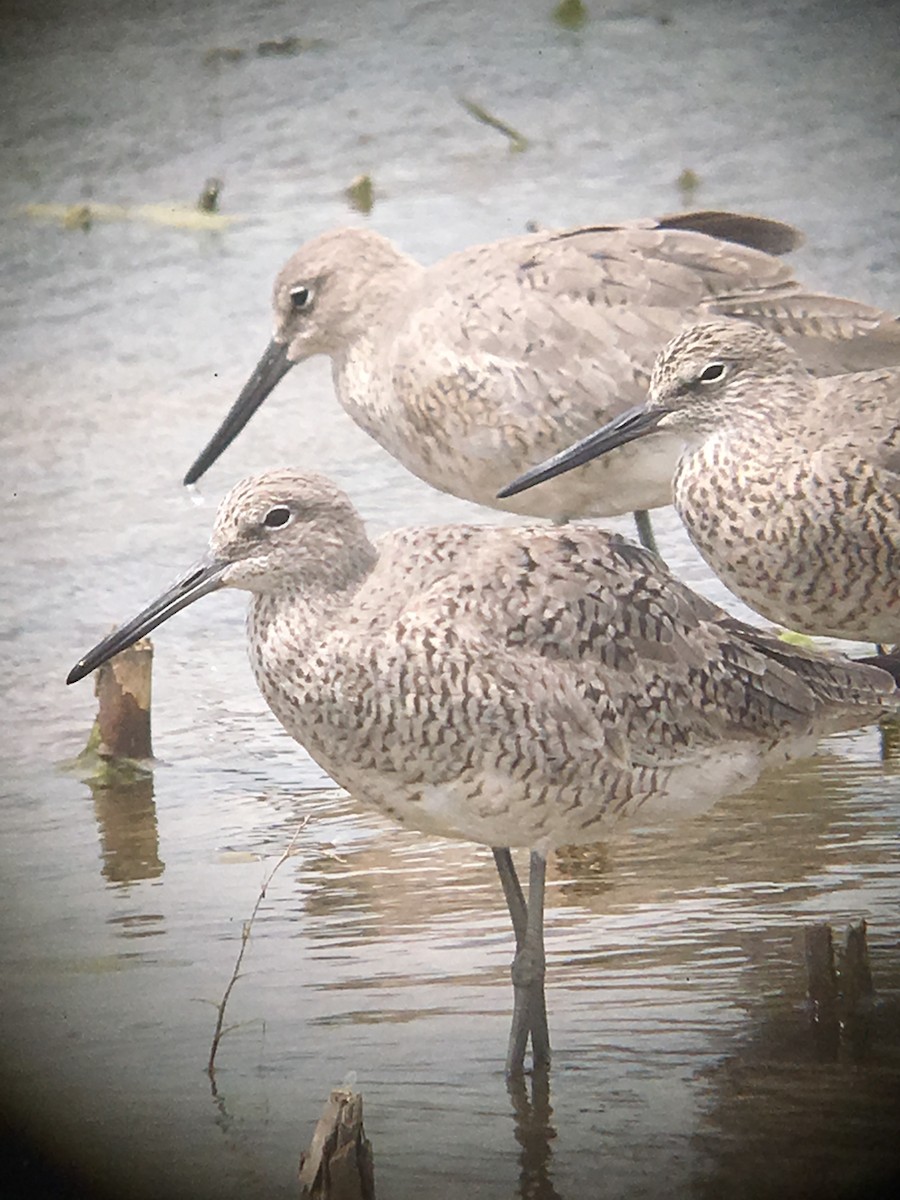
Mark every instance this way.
x=582 y=872
x=534 y=1133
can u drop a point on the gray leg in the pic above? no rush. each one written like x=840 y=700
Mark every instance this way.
x=529 y=1004
x=645 y=533
x=512 y=890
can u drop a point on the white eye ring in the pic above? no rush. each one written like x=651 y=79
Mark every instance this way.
x=301 y=297
x=713 y=372
x=278 y=517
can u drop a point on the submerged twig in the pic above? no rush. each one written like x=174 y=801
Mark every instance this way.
x=245 y=937
x=518 y=141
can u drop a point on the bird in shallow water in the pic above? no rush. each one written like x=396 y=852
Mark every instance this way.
x=518 y=687
x=476 y=367
x=788 y=486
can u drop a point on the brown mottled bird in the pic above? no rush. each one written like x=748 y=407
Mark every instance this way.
x=511 y=686
x=788 y=486
x=476 y=367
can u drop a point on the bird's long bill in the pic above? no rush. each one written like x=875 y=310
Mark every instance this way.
x=272 y=367
x=627 y=427
x=204 y=577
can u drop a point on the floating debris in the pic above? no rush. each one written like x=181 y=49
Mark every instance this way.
x=223 y=54
x=83 y=216
x=687 y=183
x=570 y=14
x=290 y=45
x=360 y=194
x=79 y=216
x=208 y=200
x=517 y=141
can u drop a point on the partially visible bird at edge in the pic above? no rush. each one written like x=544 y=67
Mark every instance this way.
x=788 y=486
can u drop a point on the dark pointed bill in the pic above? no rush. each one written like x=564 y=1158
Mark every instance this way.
x=627 y=427
x=204 y=577
x=272 y=367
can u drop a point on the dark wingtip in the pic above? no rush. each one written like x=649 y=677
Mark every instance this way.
x=744 y=229
x=889 y=662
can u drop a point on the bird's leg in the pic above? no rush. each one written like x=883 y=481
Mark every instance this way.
x=529 y=1004
x=530 y=1009
x=645 y=533
x=512 y=890
x=534 y=945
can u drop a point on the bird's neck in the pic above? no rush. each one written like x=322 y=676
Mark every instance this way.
x=362 y=388
x=287 y=628
x=379 y=302
x=726 y=478
x=362 y=363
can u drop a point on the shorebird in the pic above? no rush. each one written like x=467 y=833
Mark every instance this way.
x=504 y=353
x=518 y=687
x=788 y=486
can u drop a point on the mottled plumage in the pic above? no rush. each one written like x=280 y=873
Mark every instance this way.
x=517 y=687
x=788 y=486
x=499 y=355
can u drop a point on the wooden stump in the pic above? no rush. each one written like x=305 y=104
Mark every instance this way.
x=122 y=688
x=338 y=1164
x=822 y=990
x=841 y=995
x=119 y=751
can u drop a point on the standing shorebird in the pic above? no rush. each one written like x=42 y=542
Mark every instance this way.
x=515 y=687
x=502 y=354
x=788 y=486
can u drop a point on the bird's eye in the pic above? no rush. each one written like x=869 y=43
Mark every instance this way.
x=301 y=298
x=278 y=516
x=713 y=372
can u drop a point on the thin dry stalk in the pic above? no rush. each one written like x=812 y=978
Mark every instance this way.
x=221 y=1029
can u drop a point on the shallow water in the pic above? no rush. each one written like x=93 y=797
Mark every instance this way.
x=683 y=1062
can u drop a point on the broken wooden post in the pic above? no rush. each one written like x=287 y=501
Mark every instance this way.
x=857 y=991
x=856 y=974
x=338 y=1164
x=841 y=997
x=822 y=989
x=122 y=689
x=119 y=748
